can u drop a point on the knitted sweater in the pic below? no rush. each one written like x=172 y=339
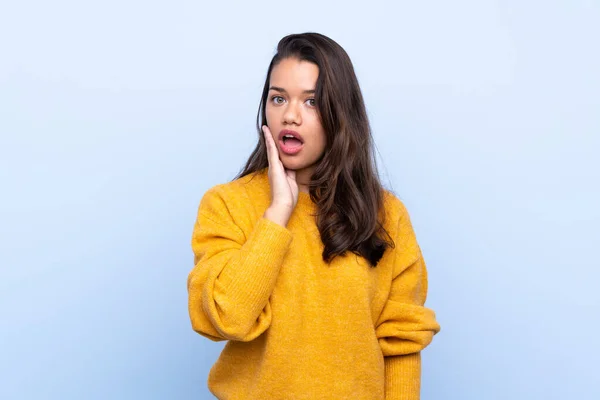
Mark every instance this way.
x=298 y=328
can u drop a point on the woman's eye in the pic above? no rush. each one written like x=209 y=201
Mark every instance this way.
x=312 y=102
x=276 y=98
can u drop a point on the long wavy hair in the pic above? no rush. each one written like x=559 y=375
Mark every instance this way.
x=345 y=185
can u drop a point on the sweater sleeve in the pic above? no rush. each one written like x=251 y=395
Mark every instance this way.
x=234 y=271
x=405 y=326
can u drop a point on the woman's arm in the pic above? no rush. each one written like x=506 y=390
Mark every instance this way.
x=234 y=272
x=405 y=326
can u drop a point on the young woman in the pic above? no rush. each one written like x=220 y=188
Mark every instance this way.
x=304 y=262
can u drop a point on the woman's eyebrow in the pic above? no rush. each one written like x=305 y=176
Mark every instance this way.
x=282 y=90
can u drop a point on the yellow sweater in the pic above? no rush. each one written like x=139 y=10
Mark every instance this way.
x=296 y=327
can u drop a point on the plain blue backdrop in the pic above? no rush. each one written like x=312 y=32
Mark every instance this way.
x=117 y=116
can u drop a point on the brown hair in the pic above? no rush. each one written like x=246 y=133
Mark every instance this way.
x=345 y=184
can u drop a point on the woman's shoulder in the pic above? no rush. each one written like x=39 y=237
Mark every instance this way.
x=393 y=205
x=238 y=193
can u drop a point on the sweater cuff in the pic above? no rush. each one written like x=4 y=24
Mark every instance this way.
x=403 y=377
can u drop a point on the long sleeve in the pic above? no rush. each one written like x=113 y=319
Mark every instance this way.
x=405 y=326
x=234 y=271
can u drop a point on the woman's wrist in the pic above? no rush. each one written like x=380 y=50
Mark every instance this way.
x=277 y=214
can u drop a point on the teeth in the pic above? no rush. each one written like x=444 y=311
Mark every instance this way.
x=284 y=137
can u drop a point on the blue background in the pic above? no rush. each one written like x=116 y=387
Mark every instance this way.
x=116 y=117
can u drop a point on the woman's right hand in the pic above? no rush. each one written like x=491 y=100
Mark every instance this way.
x=284 y=189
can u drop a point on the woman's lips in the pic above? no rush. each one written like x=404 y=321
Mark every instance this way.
x=295 y=134
x=290 y=150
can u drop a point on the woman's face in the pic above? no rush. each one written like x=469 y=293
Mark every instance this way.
x=291 y=106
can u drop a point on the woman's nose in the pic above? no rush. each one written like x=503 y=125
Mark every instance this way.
x=292 y=114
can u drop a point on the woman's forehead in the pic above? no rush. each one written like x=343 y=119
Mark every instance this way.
x=294 y=76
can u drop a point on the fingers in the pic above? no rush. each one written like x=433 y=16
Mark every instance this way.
x=267 y=143
x=272 y=152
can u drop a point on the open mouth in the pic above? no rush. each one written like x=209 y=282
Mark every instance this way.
x=291 y=142
x=290 y=146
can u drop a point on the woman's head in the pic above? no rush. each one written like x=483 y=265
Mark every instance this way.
x=330 y=116
x=311 y=88
x=337 y=122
